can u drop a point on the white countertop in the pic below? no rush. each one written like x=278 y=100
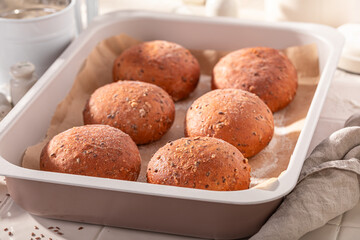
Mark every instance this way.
x=342 y=101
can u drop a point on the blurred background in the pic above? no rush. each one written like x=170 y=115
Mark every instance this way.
x=318 y=11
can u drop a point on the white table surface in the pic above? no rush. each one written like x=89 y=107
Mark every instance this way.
x=342 y=101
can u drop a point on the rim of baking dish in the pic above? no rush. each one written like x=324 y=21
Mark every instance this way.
x=282 y=186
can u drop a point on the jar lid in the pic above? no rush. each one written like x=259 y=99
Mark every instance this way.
x=22 y=70
x=350 y=57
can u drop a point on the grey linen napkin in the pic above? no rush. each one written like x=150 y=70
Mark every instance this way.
x=327 y=187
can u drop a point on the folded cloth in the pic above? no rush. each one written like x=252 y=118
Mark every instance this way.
x=327 y=187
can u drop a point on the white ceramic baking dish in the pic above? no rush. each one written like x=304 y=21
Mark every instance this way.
x=138 y=205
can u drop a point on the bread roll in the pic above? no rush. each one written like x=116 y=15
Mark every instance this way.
x=165 y=64
x=264 y=71
x=200 y=162
x=92 y=150
x=142 y=110
x=236 y=116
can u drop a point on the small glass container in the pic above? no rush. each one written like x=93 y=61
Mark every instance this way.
x=23 y=78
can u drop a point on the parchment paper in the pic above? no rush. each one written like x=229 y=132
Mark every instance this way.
x=268 y=164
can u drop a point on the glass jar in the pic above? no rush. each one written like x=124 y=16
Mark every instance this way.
x=23 y=78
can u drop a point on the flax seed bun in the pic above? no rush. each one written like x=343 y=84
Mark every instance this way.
x=234 y=115
x=93 y=150
x=266 y=72
x=142 y=110
x=201 y=162
x=165 y=64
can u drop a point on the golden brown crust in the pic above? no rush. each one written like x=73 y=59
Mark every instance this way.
x=142 y=110
x=93 y=150
x=236 y=116
x=264 y=71
x=165 y=64
x=201 y=162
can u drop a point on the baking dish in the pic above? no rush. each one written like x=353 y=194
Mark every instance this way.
x=138 y=205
